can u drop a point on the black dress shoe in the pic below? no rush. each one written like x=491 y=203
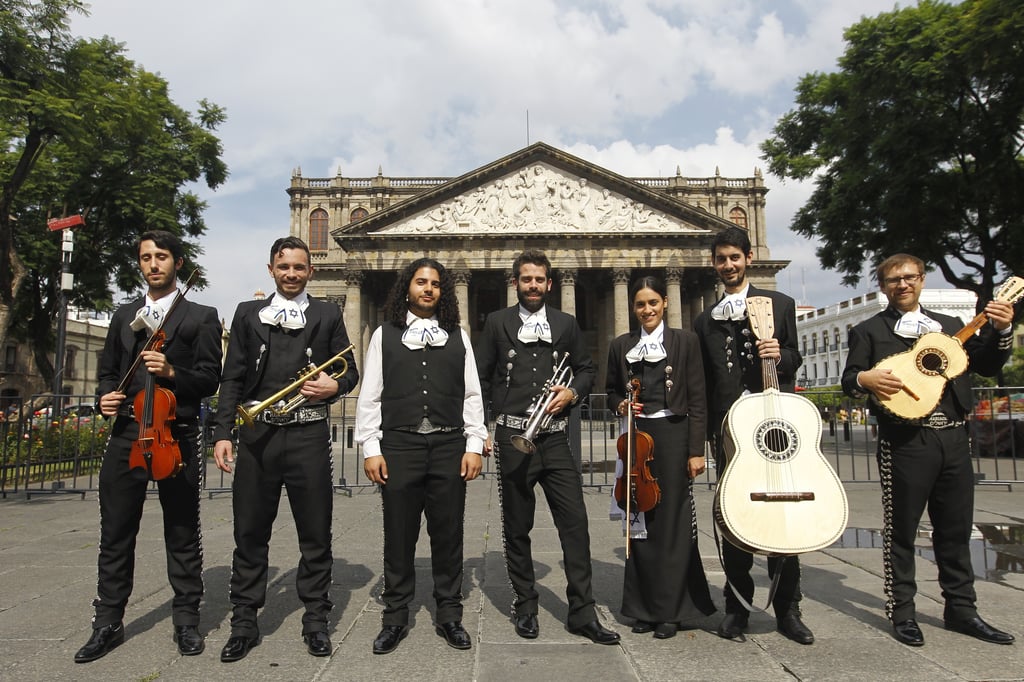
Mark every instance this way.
x=237 y=648
x=909 y=632
x=389 y=637
x=979 y=629
x=665 y=630
x=101 y=642
x=791 y=626
x=527 y=626
x=597 y=633
x=455 y=635
x=317 y=643
x=190 y=642
x=642 y=627
x=733 y=625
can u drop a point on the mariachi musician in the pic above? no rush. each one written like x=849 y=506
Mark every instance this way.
x=925 y=463
x=732 y=367
x=664 y=583
x=271 y=342
x=520 y=348
x=189 y=366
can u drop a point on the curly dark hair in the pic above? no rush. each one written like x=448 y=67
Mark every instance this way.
x=447 y=305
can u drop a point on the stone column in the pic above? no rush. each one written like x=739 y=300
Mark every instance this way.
x=567 y=282
x=352 y=311
x=510 y=291
x=462 y=278
x=673 y=280
x=620 y=278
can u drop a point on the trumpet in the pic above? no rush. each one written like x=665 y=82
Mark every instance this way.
x=538 y=418
x=249 y=411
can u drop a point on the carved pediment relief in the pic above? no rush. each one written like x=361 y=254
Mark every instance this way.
x=538 y=199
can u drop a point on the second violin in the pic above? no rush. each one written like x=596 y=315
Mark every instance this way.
x=637 y=489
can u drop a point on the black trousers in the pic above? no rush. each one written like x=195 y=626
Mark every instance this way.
x=554 y=468
x=927 y=468
x=424 y=478
x=299 y=458
x=122 y=493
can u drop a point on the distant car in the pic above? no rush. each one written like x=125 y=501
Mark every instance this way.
x=81 y=411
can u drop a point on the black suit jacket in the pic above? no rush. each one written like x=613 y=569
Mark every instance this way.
x=686 y=397
x=499 y=345
x=725 y=384
x=875 y=339
x=192 y=346
x=244 y=368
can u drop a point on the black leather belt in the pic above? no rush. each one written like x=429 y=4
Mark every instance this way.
x=520 y=423
x=302 y=415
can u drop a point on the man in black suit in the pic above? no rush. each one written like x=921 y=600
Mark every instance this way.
x=271 y=342
x=925 y=462
x=518 y=351
x=189 y=366
x=732 y=366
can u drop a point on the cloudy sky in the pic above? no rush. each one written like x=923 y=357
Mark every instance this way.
x=439 y=88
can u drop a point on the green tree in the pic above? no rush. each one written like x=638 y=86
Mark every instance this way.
x=85 y=130
x=914 y=144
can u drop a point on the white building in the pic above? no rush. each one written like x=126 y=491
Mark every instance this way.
x=824 y=332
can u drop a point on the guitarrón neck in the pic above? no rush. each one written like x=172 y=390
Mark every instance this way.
x=971 y=329
x=769 y=377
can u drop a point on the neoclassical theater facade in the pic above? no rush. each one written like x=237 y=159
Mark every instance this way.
x=600 y=230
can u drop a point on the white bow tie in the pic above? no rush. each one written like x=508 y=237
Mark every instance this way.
x=284 y=313
x=648 y=349
x=913 y=324
x=422 y=333
x=536 y=328
x=149 y=316
x=731 y=307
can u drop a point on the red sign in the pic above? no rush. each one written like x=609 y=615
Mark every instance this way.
x=61 y=223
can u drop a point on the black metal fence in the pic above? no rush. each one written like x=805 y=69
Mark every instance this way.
x=55 y=446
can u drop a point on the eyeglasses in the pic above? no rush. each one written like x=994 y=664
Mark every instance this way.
x=909 y=279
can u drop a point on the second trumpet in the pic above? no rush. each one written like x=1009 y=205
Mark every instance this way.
x=290 y=396
x=538 y=418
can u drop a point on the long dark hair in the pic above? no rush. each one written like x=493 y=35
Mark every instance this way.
x=447 y=305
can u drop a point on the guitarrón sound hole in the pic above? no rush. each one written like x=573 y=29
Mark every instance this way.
x=777 y=440
x=932 y=362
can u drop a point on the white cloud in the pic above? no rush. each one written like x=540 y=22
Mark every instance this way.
x=426 y=88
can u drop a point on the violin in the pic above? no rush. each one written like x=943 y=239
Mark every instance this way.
x=155 y=450
x=636 y=490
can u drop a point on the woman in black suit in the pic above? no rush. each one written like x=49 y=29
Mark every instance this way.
x=664 y=582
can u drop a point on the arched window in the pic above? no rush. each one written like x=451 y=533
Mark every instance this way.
x=738 y=216
x=318 y=230
x=358 y=214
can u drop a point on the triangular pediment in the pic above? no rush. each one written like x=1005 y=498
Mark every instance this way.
x=536 y=191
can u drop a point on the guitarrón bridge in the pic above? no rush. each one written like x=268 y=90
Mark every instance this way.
x=781 y=497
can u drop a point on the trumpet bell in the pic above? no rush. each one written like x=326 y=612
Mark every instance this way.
x=524 y=445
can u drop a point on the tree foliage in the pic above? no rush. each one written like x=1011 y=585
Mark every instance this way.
x=85 y=130
x=914 y=144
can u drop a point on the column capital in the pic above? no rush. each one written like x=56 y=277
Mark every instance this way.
x=354 y=278
x=673 y=275
x=567 y=277
x=621 y=275
x=461 y=276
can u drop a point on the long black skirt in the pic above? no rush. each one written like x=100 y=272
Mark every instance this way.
x=664 y=579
